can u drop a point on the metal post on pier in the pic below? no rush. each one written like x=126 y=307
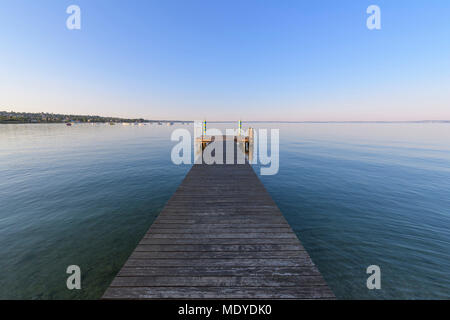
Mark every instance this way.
x=249 y=139
x=204 y=134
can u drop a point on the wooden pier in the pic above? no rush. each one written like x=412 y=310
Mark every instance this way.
x=220 y=236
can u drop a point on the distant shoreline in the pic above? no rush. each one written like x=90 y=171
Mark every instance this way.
x=12 y=117
x=406 y=121
x=190 y=121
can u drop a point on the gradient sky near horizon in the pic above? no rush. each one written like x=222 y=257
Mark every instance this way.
x=224 y=60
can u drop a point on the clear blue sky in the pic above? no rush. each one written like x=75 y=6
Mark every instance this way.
x=227 y=59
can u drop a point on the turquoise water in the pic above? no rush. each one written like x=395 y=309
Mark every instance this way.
x=356 y=195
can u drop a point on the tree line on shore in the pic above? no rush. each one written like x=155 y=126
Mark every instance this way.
x=27 y=117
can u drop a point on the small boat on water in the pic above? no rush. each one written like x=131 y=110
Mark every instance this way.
x=112 y=124
x=69 y=124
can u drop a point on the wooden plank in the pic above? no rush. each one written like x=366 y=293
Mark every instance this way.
x=205 y=226
x=252 y=235
x=217 y=247
x=242 y=293
x=229 y=241
x=240 y=271
x=181 y=255
x=238 y=220
x=218 y=281
x=220 y=236
x=216 y=230
x=264 y=262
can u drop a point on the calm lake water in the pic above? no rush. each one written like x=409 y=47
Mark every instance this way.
x=355 y=194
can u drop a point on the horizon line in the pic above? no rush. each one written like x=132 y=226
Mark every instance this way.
x=231 y=121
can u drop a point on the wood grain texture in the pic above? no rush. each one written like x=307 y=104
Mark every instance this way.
x=220 y=236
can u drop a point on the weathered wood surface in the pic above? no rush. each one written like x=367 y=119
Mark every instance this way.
x=220 y=236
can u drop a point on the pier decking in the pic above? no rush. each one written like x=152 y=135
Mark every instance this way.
x=220 y=236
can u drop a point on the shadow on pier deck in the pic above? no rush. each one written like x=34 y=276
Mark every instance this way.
x=220 y=236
